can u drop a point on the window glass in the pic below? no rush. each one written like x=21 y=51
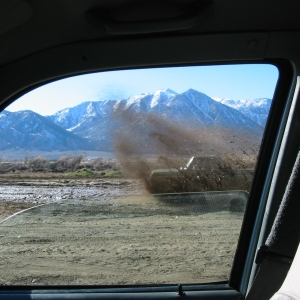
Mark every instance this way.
x=130 y=177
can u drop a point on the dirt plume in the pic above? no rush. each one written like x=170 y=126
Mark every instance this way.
x=144 y=142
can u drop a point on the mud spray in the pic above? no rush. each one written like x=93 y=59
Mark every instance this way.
x=144 y=142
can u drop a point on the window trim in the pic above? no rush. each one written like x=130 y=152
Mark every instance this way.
x=244 y=256
x=247 y=244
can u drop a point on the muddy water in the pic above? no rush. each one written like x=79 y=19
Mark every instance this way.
x=16 y=195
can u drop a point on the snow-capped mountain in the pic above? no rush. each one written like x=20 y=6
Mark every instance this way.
x=96 y=125
x=148 y=102
x=150 y=113
x=191 y=107
x=28 y=130
x=88 y=114
x=255 y=109
x=82 y=116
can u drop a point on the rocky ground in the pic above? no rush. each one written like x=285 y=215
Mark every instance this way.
x=18 y=192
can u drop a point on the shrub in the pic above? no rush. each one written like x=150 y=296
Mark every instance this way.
x=38 y=163
x=101 y=164
x=10 y=166
x=67 y=163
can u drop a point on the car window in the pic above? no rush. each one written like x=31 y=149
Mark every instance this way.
x=130 y=177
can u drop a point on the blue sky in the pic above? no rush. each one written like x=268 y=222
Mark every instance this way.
x=228 y=81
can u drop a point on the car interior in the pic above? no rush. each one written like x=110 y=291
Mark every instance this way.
x=45 y=41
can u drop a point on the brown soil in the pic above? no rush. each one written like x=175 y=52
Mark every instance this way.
x=9 y=208
x=123 y=242
x=135 y=240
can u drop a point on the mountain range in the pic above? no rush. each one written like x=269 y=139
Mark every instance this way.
x=255 y=109
x=29 y=130
x=97 y=125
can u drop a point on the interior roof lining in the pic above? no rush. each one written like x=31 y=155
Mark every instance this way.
x=54 y=22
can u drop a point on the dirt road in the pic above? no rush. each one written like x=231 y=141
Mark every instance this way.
x=85 y=233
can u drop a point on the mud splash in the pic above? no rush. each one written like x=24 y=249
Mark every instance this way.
x=144 y=142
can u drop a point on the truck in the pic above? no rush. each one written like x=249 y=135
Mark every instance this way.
x=200 y=174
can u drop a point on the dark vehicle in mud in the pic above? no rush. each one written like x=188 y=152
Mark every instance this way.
x=201 y=173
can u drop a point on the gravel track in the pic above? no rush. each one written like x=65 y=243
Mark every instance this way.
x=127 y=240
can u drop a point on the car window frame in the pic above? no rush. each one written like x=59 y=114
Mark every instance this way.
x=273 y=134
x=264 y=167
